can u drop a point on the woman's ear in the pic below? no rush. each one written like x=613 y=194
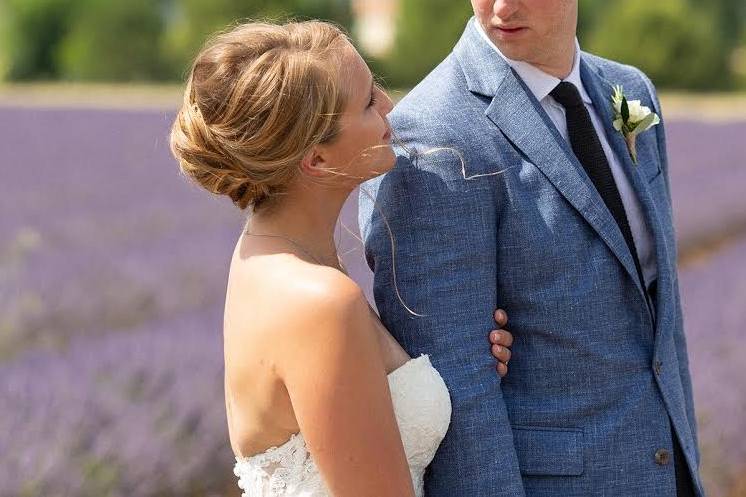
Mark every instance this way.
x=314 y=163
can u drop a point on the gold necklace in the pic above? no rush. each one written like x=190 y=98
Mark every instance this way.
x=298 y=245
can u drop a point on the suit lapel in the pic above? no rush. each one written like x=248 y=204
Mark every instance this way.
x=520 y=117
x=600 y=91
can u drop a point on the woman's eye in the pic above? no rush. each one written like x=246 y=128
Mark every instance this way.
x=372 y=99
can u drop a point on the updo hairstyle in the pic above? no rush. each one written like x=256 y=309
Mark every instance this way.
x=257 y=98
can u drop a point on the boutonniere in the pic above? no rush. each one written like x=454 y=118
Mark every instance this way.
x=631 y=118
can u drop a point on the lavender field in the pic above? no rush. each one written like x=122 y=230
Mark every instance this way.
x=112 y=271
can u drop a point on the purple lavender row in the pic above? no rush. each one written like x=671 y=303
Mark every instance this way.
x=102 y=233
x=714 y=300
x=129 y=414
x=98 y=230
x=97 y=233
x=707 y=165
x=142 y=413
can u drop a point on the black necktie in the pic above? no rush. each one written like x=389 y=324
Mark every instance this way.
x=587 y=147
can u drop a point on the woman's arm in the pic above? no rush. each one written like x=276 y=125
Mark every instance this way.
x=336 y=379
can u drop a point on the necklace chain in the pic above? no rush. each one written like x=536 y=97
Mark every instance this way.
x=298 y=245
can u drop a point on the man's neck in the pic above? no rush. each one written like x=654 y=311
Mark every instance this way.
x=560 y=70
x=558 y=65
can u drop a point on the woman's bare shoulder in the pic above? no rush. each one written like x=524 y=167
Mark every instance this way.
x=289 y=293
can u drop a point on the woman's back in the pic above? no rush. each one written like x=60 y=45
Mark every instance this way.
x=304 y=360
x=259 y=297
x=264 y=291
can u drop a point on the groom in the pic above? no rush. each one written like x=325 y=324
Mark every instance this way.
x=513 y=189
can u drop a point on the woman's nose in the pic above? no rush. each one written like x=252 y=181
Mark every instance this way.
x=386 y=104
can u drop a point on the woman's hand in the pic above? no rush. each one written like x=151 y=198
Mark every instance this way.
x=501 y=340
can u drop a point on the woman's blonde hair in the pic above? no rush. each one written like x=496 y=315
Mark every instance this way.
x=258 y=97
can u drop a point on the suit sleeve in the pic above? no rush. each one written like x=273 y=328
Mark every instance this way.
x=680 y=338
x=437 y=263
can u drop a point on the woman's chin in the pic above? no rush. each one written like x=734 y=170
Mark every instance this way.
x=389 y=160
x=384 y=164
x=381 y=164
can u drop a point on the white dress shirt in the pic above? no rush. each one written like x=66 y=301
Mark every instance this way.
x=541 y=84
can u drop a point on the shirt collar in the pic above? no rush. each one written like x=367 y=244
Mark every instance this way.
x=539 y=82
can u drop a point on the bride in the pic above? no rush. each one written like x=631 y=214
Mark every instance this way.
x=321 y=400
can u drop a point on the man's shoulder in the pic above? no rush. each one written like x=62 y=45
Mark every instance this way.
x=438 y=108
x=442 y=88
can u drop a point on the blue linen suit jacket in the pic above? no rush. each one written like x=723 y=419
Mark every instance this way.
x=488 y=208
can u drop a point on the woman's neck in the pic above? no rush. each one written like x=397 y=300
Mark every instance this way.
x=308 y=222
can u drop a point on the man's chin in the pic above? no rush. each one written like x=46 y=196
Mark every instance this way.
x=510 y=50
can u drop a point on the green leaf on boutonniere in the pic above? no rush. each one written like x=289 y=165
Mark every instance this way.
x=644 y=124
x=622 y=119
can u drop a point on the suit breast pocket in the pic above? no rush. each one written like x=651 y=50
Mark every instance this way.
x=548 y=451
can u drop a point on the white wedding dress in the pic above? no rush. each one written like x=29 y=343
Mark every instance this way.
x=423 y=410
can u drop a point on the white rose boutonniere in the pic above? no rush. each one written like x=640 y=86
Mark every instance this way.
x=631 y=118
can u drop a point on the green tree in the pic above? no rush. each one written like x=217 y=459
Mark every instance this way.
x=731 y=19
x=739 y=62
x=662 y=39
x=191 y=21
x=426 y=31
x=589 y=13
x=113 y=41
x=30 y=30
x=118 y=40
x=338 y=11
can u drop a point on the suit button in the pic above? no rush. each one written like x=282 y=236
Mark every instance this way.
x=658 y=367
x=662 y=457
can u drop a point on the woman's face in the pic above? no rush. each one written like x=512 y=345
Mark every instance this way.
x=362 y=148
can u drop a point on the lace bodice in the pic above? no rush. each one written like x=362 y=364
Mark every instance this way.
x=423 y=411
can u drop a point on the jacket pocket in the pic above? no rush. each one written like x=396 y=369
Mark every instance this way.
x=549 y=451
